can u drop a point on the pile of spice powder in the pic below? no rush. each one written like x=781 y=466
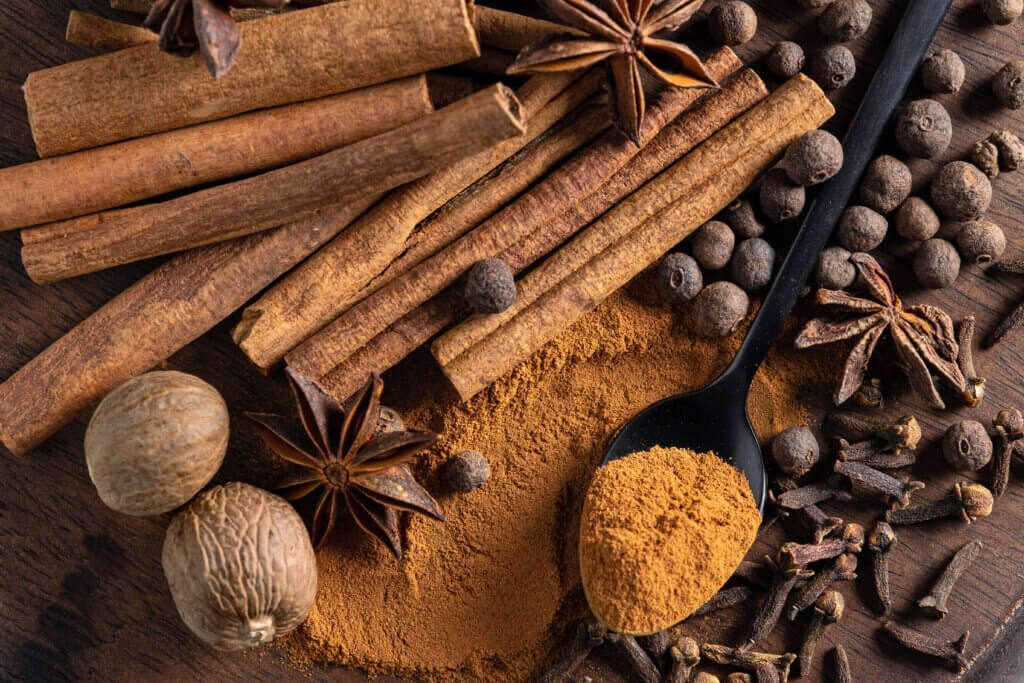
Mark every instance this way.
x=661 y=531
x=488 y=594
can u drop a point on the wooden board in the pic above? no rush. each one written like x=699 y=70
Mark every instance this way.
x=82 y=593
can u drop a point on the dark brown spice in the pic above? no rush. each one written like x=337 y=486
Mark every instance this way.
x=657 y=644
x=870 y=394
x=740 y=216
x=766 y=673
x=641 y=662
x=685 y=656
x=1009 y=426
x=814 y=522
x=798 y=555
x=871 y=454
x=745 y=659
x=490 y=286
x=781 y=198
x=974 y=386
x=795 y=451
x=705 y=677
x=813 y=158
x=902 y=435
x=861 y=228
x=785 y=60
x=967 y=502
x=1002 y=12
x=961 y=192
x=787 y=573
x=732 y=22
x=916 y=220
x=937 y=264
x=589 y=635
x=869 y=478
x=678 y=278
x=1011 y=149
x=1016 y=317
x=966 y=445
x=981 y=241
x=828 y=609
x=950 y=653
x=753 y=264
x=738 y=677
x=1008 y=85
x=943 y=72
x=845 y=20
x=725 y=598
x=923 y=129
x=712 y=245
x=881 y=541
x=814 y=493
x=833 y=67
x=841 y=666
x=834 y=270
x=467 y=471
x=985 y=155
x=885 y=184
x=719 y=309
x=843 y=568
x=935 y=602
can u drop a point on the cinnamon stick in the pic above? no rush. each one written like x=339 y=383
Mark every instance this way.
x=291 y=57
x=677 y=139
x=127 y=172
x=369 y=166
x=89 y=30
x=328 y=283
x=150 y=321
x=573 y=181
x=511 y=31
x=621 y=244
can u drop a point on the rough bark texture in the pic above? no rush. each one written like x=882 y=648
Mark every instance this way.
x=96 y=32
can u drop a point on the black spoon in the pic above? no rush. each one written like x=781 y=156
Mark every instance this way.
x=715 y=418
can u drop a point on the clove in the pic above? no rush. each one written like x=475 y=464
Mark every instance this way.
x=872 y=454
x=828 y=609
x=967 y=502
x=787 y=574
x=812 y=494
x=757 y=573
x=903 y=434
x=935 y=602
x=879 y=482
x=851 y=541
x=589 y=635
x=814 y=522
x=1009 y=426
x=881 y=541
x=951 y=653
x=725 y=598
x=766 y=673
x=641 y=662
x=656 y=644
x=745 y=659
x=738 y=677
x=974 y=387
x=685 y=656
x=844 y=568
x=841 y=666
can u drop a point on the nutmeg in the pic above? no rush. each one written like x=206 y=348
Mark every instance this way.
x=155 y=441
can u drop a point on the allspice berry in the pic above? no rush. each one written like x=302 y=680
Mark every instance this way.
x=155 y=441
x=712 y=245
x=240 y=566
x=942 y=71
x=923 y=129
x=834 y=269
x=1008 y=85
x=937 y=264
x=753 y=264
x=861 y=229
x=467 y=471
x=1011 y=149
x=885 y=184
x=916 y=220
x=961 y=192
x=967 y=446
x=781 y=198
x=678 y=278
x=795 y=451
x=732 y=22
x=1002 y=12
x=813 y=158
x=719 y=309
x=833 y=67
x=785 y=60
x=491 y=286
x=845 y=20
x=985 y=155
x=981 y=241
x=741 y=218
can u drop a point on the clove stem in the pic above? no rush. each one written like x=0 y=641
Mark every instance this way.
x=880 y=482
x=974 y=388
x=766 y=673
x=814 y=521
x=841 y=665
x=786 y=575
x=967 y=502
x=843 y=569
x=881 y=541
x=745 y=659
x=828 y=609
x=950 y=653
x=642 y=663
x=656 y=644
x=851 y=541
x=589 y=635
x=871 y=454
x=812 y=494
x=935 y=602
x=725 y=598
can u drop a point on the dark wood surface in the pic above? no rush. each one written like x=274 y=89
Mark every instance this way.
x=82 y=594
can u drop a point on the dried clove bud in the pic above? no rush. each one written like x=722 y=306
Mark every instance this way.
x=935 y=602
x=879 y=482
x=656 y=644
x=974 y=389
x=1009 y=426
x=950 y=653
x=881 y=541
x=589 y=635
x=870 y=394
x=841 y=666
x=725 y=598
x=766 y=673
x=871 y=453
x=903 y=434
x=787 y=573
x=852 y=540
x=967 y=502
x=685 y=656
x=738 y=677
x=757 y=573
x=812 y=494
x=641 y=662
x=745 y=659
x=704 y=677
x=816 y=524
x=828 y=609
x=844 y=568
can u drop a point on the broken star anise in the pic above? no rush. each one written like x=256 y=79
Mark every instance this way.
x=620 y=33
x=351 y=463
x=185 y=25
x=922 y=335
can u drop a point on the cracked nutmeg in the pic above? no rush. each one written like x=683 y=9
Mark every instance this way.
x=621 y=34
x=922 y=335
x=350 y=463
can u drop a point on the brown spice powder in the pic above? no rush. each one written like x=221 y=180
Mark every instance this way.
x=661 y=531
x=486 y=595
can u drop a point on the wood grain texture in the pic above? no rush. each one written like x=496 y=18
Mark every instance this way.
x=81 y=589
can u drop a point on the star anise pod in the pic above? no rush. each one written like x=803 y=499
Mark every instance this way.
x=185 y=25
x=922 y=335
x=346 y=459
x=621 y=34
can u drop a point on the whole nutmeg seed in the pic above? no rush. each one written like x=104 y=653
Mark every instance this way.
x=678 y=278
x=781 y=198
x=732 y=22
x=467 y=471
x=785 y=60
x=719 y=309
x=1002 y=12
x=1008 y=85
x=833 y=67
x=813 y=158
x=885 y=184
x=795 y=451
x=845 y=20
x=961 y=192
x=967 y=446
x=741 y=218
x=834 y=269
x=937 y=264
x=981 y=241
x=753 y=264
x=861 y=229
x=923 y=129
x=491 y=286
x=155 y=441
x=712 y=245
x=943 y=71
x=916 y=220
x=240 y=566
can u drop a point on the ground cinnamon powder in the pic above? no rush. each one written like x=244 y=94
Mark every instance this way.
x=661 y=531
x=488 y=594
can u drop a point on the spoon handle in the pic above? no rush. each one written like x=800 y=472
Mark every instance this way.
x=920 y=21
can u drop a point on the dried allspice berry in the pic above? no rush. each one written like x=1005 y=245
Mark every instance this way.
x=885 y=184
x=741 y=218
x=833 y=67
x=845 y=20
x=961 y=192
x=781 y=198
x=712 y=245
x=467 y=471
x=916 y=220
x=813 y=158
x=732 y=22
x=981 y=241
x=967 y=446
x=795 y=451
x=937 y=264
x=1002 y=12
x=834 y=269
x=985 y=155
x=923 y=129
x=679 y=278
x=861 y=228
x=1008 y=85
x=943 y=71
x=785 y=60
x=1011 y=149
x=491 y=286
x=753 y=264
x=719 y=309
